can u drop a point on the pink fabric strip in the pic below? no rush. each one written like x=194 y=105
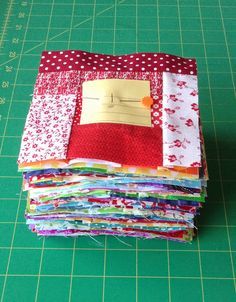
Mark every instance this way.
x=52 y=61
x=57 y=83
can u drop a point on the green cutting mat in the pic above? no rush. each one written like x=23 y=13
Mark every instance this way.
x=83 y=270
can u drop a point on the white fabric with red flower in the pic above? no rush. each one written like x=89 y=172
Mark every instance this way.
x=181 y=141
x=47 y=129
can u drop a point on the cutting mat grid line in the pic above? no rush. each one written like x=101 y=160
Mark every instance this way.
x=108 y=269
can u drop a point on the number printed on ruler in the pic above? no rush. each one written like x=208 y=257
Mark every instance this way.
x=21 y=15
x=2 y=100
x=8 y=68
x=16 y=16
x=5 y=84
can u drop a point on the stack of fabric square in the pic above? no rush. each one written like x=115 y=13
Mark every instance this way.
x=113 y=145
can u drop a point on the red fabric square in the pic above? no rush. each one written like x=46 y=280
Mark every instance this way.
x=120 y=143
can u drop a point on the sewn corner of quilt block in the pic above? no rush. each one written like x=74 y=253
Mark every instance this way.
x=92 y=105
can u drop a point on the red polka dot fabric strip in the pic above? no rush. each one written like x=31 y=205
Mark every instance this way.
x=67 y=60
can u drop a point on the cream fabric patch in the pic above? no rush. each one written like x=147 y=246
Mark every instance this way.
x=115 y=101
